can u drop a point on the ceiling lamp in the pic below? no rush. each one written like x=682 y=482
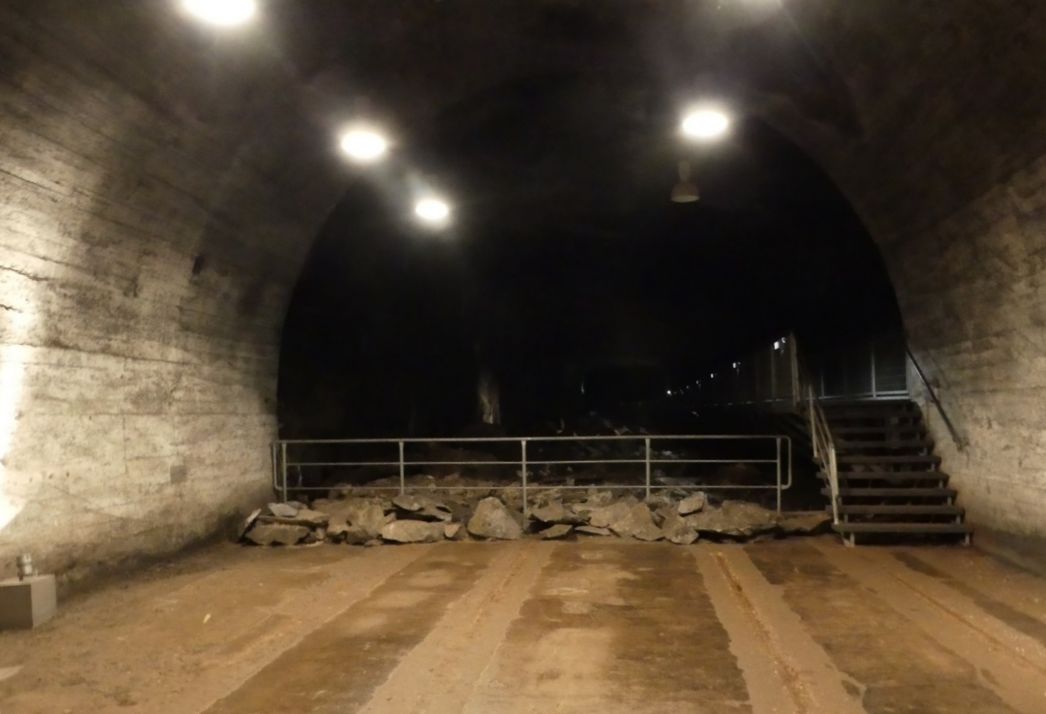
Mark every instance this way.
x=705 y=124
x=225 y=13
x=685 y=191
x=364 y=146
x=432 y=211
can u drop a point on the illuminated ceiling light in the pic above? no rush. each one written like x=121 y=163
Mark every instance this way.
x=685 y=191
x=433 y=211
x=705 y=124
x=364 y=146
x=222 y=12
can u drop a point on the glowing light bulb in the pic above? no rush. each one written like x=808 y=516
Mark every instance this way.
x=225 y=13
x=433 y=211
x=364 y=145
x=705 y=124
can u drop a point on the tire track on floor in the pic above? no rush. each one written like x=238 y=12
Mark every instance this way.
x=1003 y=659
x=441 y=672
x=785 y=670
x=338 y=666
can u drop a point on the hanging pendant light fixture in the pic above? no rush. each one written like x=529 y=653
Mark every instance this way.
x=685 y=191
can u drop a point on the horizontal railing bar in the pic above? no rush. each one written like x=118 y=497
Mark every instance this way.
x=516 y=440
x=538 y=487
x=532 y=461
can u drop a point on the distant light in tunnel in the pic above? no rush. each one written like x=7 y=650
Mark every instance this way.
x=433 y=211
x=222 y=12
x=705 y=124
x=364 y=146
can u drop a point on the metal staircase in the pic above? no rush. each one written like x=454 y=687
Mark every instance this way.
x=887 y=478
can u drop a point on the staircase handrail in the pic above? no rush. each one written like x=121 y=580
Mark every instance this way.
x=960 y=442
x=820 y=434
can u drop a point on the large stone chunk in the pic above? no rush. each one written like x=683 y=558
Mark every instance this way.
x=693 y=503
x=593 y=530
x=492 y=520
x=412 y=532
x=559 y=530
x=363 y=514
x=421 y=507
x=806 y=523
x=282 y=510
x=736 y=519
x=637 y=522
x=551 y=512
x=678 y=529
x=606 y=516
x=281 y=533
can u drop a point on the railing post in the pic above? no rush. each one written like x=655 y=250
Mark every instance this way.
x=403 y=469
x=283 y=469
x=778 y=440
x=793 y=354
x=646 y=459
x=871 y=346
x=833 y=482
x=274 y=455
x=813 y=418
x=523 y=472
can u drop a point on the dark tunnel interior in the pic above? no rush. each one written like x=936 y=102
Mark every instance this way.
x=569 y=279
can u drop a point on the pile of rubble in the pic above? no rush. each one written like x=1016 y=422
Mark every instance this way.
x=360 y=516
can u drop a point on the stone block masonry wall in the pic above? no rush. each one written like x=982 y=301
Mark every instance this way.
x=948 y=170
x=149 y=239
x=974 y=296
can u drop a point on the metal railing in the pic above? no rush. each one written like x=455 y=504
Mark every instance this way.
x=285 y=460
x=768 y=376
x=960 y=442
x=821 y=441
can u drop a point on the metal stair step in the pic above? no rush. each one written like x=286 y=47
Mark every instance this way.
x=889 y=459
x=885 y=443
x=883 y=429
x=895 y=509
x=911 y=492
x=881 y=527
x=894 y=476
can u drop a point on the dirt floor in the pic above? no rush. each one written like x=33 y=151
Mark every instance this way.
x=598 y=625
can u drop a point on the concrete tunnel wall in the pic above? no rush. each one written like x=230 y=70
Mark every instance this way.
x=949 y=173
x=137 y=398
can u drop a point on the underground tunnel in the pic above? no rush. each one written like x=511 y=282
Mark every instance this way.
x=447 y=356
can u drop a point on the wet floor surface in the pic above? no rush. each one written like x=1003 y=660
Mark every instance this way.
x=594 y=625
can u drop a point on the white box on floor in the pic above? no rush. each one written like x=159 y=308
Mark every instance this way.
x=24 y=604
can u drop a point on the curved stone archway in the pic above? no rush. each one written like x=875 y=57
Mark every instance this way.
x=162 y=185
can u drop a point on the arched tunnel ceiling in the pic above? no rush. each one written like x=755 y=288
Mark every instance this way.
x=139 y=146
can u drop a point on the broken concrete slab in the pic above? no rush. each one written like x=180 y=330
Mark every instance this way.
x=677 y=529
x=551 y=512
x=277 y=533
x=492 y=520
x=635 y=520
x=337 y=530
x=805 y=523
x=248 y=522
x=407 y=502
x=282 y=510
x=412 y=532
x=734 y=519
x=606 y=516
x=692 y=503
x=593 y=530
x=558 y=530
